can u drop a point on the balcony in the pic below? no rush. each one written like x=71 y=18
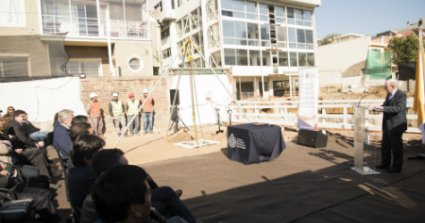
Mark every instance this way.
x=84 y=20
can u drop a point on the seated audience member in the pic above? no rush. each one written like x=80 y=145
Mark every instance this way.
x=22 y=131
x=8 y=117
x=80 y=177
x=164 y=199
x=80 y=119
x=80 y=129
x=42 y=202
x=61 y=138
x=33 y=132
x=123 y=195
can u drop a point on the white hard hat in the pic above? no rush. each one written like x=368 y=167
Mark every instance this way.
x=115 y=94
x=145 y=91
x=92 y=95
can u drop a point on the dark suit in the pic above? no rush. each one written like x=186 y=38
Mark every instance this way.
x=394 y=124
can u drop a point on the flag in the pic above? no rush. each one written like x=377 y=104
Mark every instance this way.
x=419 y=100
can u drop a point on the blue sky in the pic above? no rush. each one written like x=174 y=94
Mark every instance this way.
x=366 y=16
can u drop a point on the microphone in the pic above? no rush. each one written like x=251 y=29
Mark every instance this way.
x=360 y=101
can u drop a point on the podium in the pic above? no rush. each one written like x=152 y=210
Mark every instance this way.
x=360 y=137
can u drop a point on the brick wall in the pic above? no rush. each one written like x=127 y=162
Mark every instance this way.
x=104 y=86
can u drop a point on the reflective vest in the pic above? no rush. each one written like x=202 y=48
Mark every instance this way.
x=117 y=108
x=94 y=109
x=148 y=106
x=133 y=107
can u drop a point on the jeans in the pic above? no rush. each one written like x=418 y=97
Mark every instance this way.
x=97 y=125
x=147 y=121
x=134 y=126
x=39 y=136
x=117 y=120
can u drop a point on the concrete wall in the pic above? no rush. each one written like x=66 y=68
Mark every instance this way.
x=333 y=59
x=104 y=86
x=125 y=50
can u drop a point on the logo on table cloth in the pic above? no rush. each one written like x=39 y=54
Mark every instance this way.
x=234 y=142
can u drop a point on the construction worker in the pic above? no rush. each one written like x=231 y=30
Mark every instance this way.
x=116 y=110
x=133 y=114
x=95 y=115
x=148 y=110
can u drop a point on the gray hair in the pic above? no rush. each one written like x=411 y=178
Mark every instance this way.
x=392 y=82
x=64 y=114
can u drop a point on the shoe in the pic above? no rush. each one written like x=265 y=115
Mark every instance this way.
x=382 y=167
x=394 y=170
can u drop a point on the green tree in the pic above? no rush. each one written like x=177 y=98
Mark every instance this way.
x=404 y=49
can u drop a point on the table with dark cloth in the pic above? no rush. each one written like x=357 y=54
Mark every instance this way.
x=253 y=143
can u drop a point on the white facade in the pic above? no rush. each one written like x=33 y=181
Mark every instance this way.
x=334 y=59
x=263 y=43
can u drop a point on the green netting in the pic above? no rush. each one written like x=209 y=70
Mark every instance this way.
x=378 y=64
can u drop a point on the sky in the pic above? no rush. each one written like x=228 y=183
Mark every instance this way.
x=366 y=16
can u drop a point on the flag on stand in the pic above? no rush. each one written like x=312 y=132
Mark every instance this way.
x=419 y=100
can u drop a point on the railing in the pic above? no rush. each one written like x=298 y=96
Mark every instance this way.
x=91 y=27
x=336 y=114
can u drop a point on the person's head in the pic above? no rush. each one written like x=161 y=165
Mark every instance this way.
x=85 y=146
x=115 y=96
x=145 y=92
x=131 y=96
x=10 y=110
x=20 y=116
x=105 y=159
x=65 y=117
x=93 y=96
x=391 y=85
x=122 y=194
x=79 y=129
x=79 y=119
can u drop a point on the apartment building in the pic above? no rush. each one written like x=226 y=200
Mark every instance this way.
x=102 y=38
x=263 y=43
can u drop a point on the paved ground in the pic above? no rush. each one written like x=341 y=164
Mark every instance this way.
x=303 y=184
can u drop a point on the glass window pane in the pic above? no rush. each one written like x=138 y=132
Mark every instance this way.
x=302 y=59
x=291 y=14
x=253 y=31
x=229 y=57
x=227 y=4
x=293 y=59
x=267 y=58
x=228 y=30
x=298 y=14
x=240 y=29
x=281 y=33
x=254 y=58
x=264 y=9
x=238 y=5
x=265 y=31
x=300 y=36
x=242 y=57
x=280 y=11
x=283 y=59
x=292 y=35
x=307 y=15
x=309 y=36
x=251 y=7
x=310 y=59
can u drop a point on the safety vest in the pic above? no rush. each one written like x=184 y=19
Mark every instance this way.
x=148 y=106
x=117 y=108
x=133 y=107
x=94 y=109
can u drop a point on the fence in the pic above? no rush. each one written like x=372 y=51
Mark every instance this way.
x=337 y=114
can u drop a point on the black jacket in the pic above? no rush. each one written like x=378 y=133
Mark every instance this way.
x=21 y=134
x=395 y=112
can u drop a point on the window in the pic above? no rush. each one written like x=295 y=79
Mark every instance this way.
x=264 y=12
x=233 y=8
x=254 y=58
x=292 y=37
x=229 y=56
x=234 y=32
x=293 y=59
x=166 y=53
x=251 y=10
x=265 y=35
x=14 y=67
x=310 y=59
x=135 y=63
x=280 y=14
x=253 y=34
x=242 y=57
x=302 y=59
x=283 y=59
x=281 y=36
x=299 y=17
x=300 y=38
x=12 y=13
x=267 y=58
x=88 y=67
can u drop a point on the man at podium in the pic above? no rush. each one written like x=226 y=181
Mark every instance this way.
x=394 y=124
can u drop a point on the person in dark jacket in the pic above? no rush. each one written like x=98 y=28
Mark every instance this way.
x=80 y=177
x=22 y=131
x=394 y=124
x=61 y=138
